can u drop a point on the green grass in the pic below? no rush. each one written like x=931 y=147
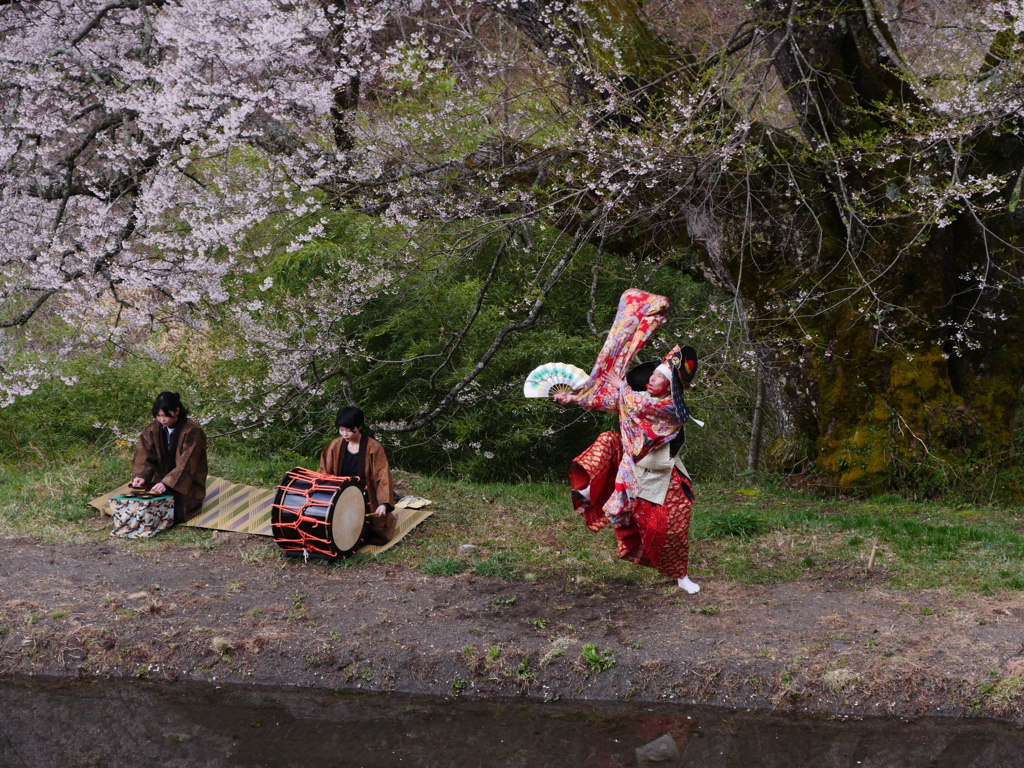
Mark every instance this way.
x=443 y=566
x=529 y=531
x=920 y=544
x=740 y=523
x=500 y=565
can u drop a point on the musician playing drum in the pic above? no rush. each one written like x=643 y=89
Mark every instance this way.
x=171 y=457
x=355 y=454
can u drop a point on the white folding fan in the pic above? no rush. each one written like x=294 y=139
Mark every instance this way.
x=547 y=379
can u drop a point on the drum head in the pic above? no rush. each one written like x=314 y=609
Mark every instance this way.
x=349 y=518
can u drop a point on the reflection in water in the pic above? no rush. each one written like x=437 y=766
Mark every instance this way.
x=78 y=724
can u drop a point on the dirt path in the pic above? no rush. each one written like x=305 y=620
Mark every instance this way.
x=228 y=615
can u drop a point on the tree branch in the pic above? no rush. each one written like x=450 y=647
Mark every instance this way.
x=25 y=316
x=92 y=23
x=538 y=304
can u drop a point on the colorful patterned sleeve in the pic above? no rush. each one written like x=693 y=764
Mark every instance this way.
x=638 y=316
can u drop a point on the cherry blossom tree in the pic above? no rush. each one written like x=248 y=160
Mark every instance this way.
x=847 y=171
x=142 y=143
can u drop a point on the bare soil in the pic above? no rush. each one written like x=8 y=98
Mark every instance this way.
x=238 y=613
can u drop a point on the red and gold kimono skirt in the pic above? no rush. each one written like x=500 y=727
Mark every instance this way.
x=655 y=535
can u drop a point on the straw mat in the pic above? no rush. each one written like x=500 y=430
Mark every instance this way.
x=246 y=509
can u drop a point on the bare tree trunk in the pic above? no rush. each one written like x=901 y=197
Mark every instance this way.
x=757 y=429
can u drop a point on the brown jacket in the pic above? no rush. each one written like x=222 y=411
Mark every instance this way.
x=377 y=479
x=184 y=472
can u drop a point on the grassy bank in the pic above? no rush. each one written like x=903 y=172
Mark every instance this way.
x=747 y=534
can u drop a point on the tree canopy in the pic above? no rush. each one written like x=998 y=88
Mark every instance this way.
x=847 y=171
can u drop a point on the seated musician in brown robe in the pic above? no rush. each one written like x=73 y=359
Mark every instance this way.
x=356 y=454
x=171 y=457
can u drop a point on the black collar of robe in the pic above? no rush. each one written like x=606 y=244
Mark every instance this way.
x=360 y=459
x=175 y=435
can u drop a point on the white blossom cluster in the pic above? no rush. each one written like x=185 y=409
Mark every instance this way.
x=141 y=145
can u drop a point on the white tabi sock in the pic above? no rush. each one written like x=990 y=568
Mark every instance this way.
x=688 y=586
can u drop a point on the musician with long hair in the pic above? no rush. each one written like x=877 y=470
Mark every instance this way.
x=171 y=457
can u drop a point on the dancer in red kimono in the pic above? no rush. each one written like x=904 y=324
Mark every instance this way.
x=634 y=479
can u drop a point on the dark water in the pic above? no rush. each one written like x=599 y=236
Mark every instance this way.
x=73 y=725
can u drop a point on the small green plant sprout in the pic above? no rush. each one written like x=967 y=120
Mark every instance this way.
x=223 y=647
x=597 y=661
x=706 y=610
x=524 y=672
x=508 y=601
x=494 y=652
x=363 y=673
x=539 y=623
x=459 y=685
x=298 y=608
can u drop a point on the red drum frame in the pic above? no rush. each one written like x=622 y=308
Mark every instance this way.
x=319 y=514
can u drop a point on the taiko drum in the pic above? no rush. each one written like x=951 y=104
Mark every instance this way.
x=319 y=514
